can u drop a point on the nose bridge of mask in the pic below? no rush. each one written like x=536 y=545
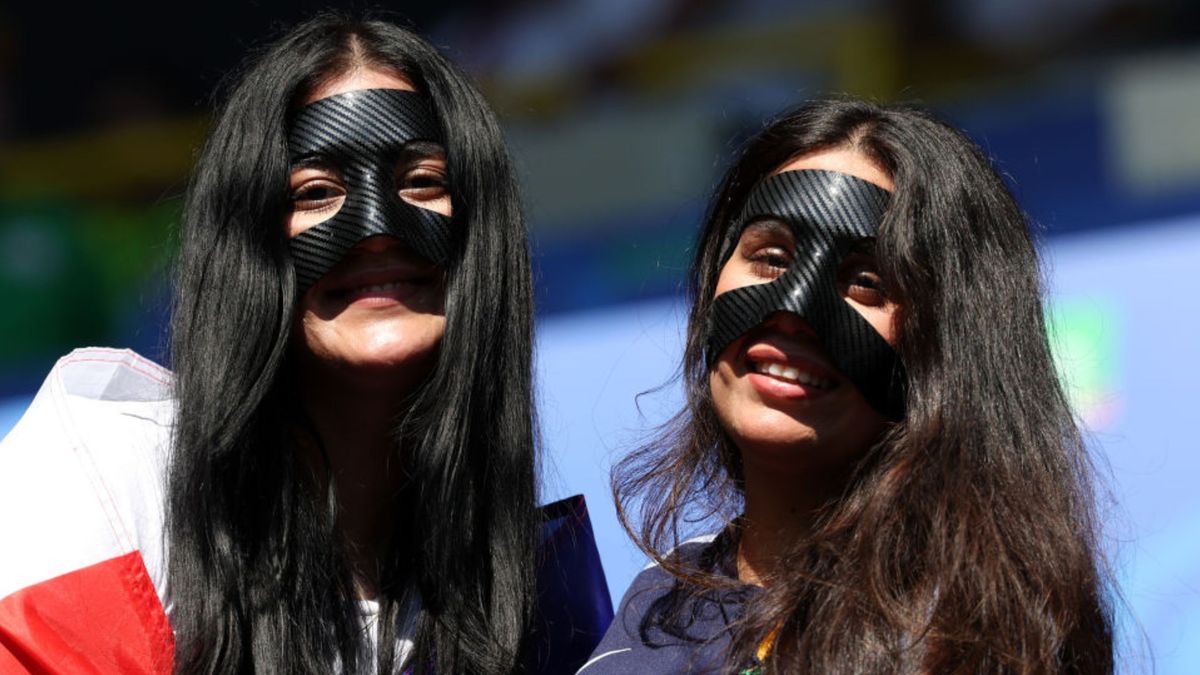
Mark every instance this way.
x=827 y=212
x=360 y=135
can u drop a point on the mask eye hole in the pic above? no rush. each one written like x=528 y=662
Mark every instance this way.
x=317 y=193
x=861 y=285
x=422 y=179
x=767 y=248
x=858 y=277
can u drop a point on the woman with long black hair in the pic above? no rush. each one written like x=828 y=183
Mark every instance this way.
x=873 y=413
x=339 y=476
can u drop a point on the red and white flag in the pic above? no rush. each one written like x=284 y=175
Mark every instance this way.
x=82 y=479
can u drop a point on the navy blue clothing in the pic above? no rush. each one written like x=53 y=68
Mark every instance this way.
x=696 y=642
x=573 y=607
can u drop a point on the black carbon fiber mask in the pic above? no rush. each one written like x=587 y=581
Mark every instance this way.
x=828 y=213
x=361 y=134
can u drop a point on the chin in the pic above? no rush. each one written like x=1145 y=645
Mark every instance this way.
x=776 y=427
x=771 y=430
x=790 y=447
x=780 y=442
x=390 y=355
x=379 y=355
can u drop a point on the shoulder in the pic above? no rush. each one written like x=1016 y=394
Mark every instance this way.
x=653 y=581
x=82 y=474
x=624 y=648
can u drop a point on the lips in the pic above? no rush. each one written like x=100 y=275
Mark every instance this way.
x=784 y=369
x=389 y=291
x=379 y=281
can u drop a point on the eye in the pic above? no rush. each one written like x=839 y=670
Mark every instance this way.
x=861 y=283
x=770 y=262
x=317 y=195
x=424 y=182
x=421 y=177
x=767 y=248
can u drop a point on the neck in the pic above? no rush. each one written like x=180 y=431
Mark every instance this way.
x=780 y=509
x=356 y=429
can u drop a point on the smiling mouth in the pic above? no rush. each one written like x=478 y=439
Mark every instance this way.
x=792 y=374
x=392 y=290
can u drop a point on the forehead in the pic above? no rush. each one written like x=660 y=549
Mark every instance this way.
x=840 y=160
x=361 y=78
x=362 y=121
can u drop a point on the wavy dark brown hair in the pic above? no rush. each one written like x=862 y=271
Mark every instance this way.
x=258 y=574
x=966 y=539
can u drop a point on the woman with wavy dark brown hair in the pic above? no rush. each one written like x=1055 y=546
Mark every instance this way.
x=873 y=413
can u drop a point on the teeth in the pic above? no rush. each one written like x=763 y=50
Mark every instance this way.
x=391 y=285
x=792 y=374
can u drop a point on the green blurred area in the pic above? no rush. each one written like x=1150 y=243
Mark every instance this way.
x=1085 y=338
x=75 y=274
x=70 y=273
x=86 y=223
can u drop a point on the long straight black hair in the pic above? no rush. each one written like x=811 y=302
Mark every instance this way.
x=965 y=540
x=258 y=578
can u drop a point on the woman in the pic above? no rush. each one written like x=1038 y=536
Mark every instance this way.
x=874 y=412
x=350 y=485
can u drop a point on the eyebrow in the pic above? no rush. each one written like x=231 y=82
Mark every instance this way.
x=769 y=225
x=310 y=160
x=421 y=150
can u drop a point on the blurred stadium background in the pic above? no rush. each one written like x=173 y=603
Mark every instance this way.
x=621 y=114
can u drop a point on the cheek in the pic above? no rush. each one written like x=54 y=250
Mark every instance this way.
x=441 y=205
x=719 y=380
x=311 y=331
x=882 y=319
x=734 y=275
x=721 y=385
x=740 y=411
x=298 y=222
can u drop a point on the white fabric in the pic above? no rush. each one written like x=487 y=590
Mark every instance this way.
x=83 y=476
x=82 y=472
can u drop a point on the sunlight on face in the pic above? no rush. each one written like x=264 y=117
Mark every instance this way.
x=775 y=388
x=378 y=315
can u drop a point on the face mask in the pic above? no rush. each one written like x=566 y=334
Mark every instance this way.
x=828 y=213
x=360 y=134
